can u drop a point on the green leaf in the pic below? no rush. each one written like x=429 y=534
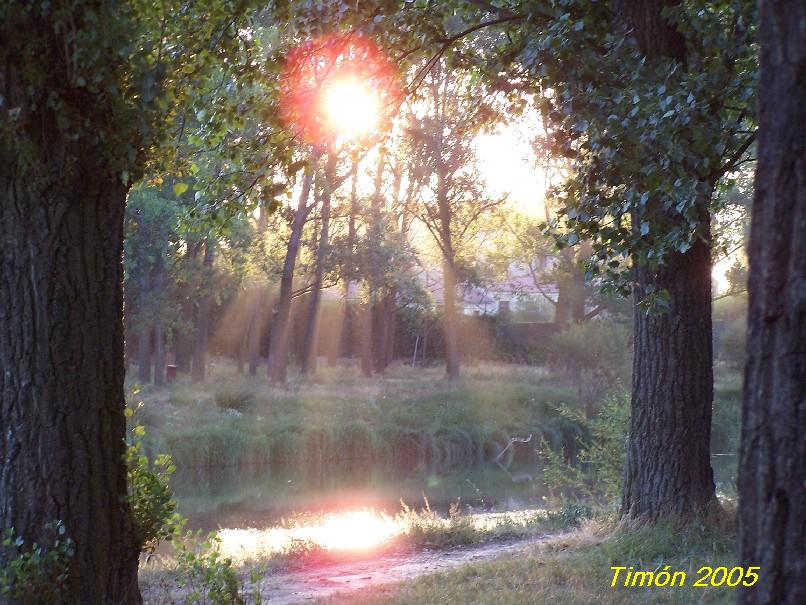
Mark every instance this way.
x=180 y=188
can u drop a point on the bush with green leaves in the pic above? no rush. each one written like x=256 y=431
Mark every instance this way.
x=35 y=575
x=149 y=494
x=597 y=473
x=208 y=577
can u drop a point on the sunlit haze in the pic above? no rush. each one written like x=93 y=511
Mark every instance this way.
x=351 y=108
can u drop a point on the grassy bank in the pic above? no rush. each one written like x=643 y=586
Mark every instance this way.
x=575 y=569
x=407 y=419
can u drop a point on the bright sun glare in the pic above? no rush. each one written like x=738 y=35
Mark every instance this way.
x=351 y=108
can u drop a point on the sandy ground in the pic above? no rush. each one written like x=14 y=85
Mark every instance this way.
x=320 y=582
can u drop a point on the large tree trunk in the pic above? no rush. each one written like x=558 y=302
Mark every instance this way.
x=199 y=367
x=772 y=469
x=278 y=344
x=668 y=467
x=310 y=349
x=61 y=383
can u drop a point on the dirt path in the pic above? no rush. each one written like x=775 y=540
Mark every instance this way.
x=307 y=585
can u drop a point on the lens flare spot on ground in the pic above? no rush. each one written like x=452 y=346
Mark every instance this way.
x=347 y=532
x=360 y=531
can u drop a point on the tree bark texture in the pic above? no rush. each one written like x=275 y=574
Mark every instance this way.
x=61 y=370
x=668 y=469
x=278 y=344
x=668 y=465
x=772 y=468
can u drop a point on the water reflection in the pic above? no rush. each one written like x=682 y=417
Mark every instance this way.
x=259 y=497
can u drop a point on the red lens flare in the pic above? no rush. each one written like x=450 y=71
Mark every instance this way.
x=336 y=87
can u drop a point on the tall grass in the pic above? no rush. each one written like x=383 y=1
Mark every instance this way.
x=409 y=419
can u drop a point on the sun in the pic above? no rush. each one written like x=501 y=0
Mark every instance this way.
x=351 y=108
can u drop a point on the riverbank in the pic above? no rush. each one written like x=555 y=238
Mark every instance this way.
x=406 y=420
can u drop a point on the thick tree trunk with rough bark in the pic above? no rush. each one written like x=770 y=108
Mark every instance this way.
x=668 y=468
x=278 y=344
x=61 y=377
x=199 y=367
x=772 y=468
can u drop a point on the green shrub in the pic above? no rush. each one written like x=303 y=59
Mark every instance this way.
x=35 y=575
x=208 y=577
x=570 y=515
x=598 y=471
x=149 y=495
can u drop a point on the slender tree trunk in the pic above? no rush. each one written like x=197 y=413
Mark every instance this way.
x=278 y=345
x=61 y=383
x=256 y=327
x=144 y=355
x=668 y=467
x=562 y=310
x=159 y=353
x=386 y=318
x=256 y=323
x=182 y=352
x=347 y=336
x=366 y=339
x=243 y=349
x=449 y=322
x=772 y=468
x=310 y=348
x=183 y=343
x=199 y=367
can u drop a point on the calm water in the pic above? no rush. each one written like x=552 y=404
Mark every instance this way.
x=261 y=498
